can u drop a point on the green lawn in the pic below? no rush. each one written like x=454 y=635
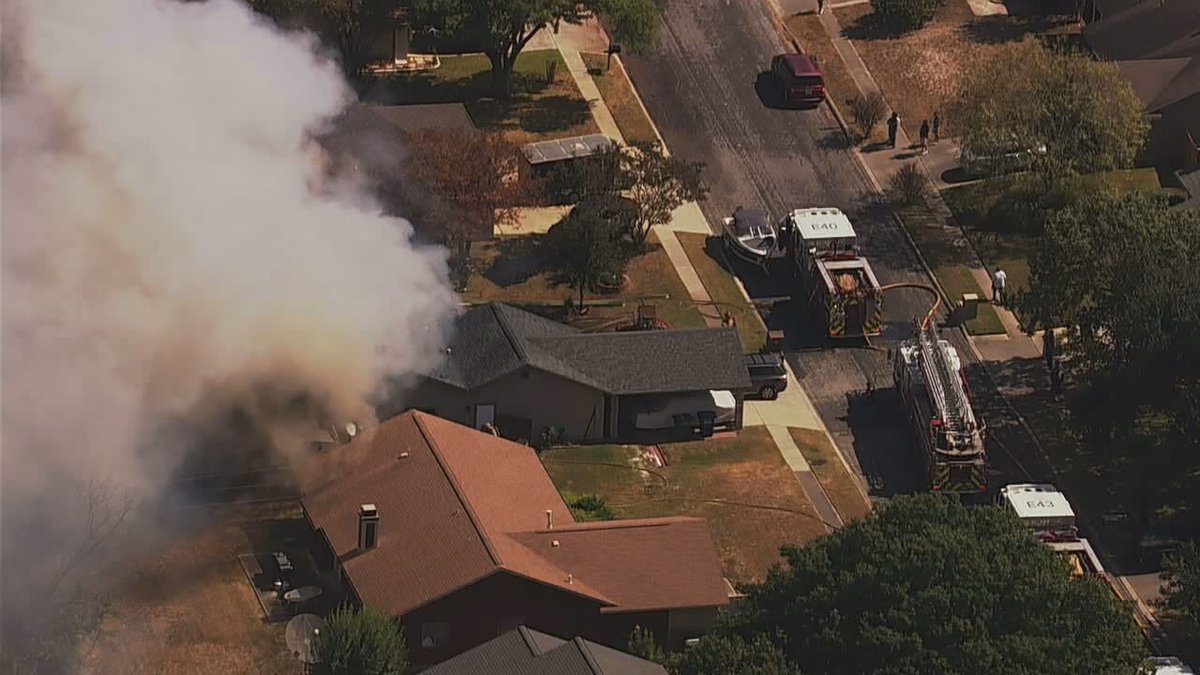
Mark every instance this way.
x=617 y=92
x=537 y=110
x=741 y=486
x=841 y=487
x=723 y=288
x=945 y=257
x=1012 y=250
x=510 y=271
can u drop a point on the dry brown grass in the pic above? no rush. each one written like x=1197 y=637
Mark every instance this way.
x=188 y=609
x=919 y=72
x=841 y=487
x=840 y=87
x=741 y=486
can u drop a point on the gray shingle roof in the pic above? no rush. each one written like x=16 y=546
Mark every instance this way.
x=494 y=340
x=1147 y=30
x=529 y=652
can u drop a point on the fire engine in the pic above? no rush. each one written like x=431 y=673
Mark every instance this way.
x=835 y=280
x=928 y=377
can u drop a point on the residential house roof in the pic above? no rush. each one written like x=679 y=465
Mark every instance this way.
x=493 y=340
x=1150 y=29
x=1159 y=83
x=458 y=505
x=525 y=651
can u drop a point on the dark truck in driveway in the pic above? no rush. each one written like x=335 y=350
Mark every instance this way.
x=768 y=376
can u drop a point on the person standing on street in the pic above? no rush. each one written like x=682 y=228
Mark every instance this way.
x=924 y=137
x=893 y=125
x=937 y=127
x=998 y=281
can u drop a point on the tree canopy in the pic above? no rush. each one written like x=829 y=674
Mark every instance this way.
x=724 y=653
x=360 y=642
x=1181 y=587
x=1027 y=96
x=504 y=28
x=1118 y=272
x=660 y=183
x=929 y=585
x=585 y=249
x=346 y=25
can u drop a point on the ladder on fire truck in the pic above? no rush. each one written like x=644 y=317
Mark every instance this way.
x=944 y=384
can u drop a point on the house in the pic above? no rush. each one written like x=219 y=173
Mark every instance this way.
x=529 y=652
x=524 y=373
x=463 y=537
x=1156 y=46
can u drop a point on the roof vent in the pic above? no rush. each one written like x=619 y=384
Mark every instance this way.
x=368 y=527
x=448 y=350
x=404 y=455
x=549 y=519
x=554 y=543
x=570 y=578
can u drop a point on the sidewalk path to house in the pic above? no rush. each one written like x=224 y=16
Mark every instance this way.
x=882 y=162
x=793 y=407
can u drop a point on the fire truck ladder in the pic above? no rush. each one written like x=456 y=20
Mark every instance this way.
x=945 y=386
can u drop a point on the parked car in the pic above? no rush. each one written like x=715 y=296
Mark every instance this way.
x=1165 y=665
x=1000 y=162
x=768 y=375
x=686 y=410
x=799 y=78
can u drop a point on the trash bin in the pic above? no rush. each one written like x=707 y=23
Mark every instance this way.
x=708 y=423
x=969 y=307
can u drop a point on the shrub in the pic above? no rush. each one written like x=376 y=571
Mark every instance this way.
x=589 y=507
x=905 y=15
x=868 y=112
x=909 y=185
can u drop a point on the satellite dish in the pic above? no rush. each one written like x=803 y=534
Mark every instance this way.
x=301 y=637
x=351 y=429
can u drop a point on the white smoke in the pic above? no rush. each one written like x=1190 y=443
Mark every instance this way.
x=162 y=241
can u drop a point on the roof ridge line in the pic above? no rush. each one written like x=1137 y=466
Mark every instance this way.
x=529 y=643
x=581 y=644
x=418 y=417
x=509 y=335
x=620 y=524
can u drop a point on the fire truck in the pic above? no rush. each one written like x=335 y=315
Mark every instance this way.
x=836 y=282
x=928 y=377
x=1049 y=515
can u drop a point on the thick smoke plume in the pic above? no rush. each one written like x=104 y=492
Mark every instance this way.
x=166 y=250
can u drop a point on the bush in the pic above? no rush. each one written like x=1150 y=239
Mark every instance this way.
x=587 y=508
x=905 y=15
x=868 y=112
x=909 y=185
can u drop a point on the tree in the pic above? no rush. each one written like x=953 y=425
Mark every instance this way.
x=909 y=186
x=475 y=184
x=588 y=508
x=928 y=585
x=868 y=112
x=1084 y=114
x=905 y=15
x=346 y=25
x=360 y=642
x=731 y=655
x=659 y=185
x=584 y=249
x=1117 y=271
x=1181 y=582
x=505 y=27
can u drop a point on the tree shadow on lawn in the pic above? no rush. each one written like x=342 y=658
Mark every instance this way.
x=997 y=30
x=518 y=260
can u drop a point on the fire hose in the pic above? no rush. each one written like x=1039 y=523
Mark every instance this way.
x=936 y=303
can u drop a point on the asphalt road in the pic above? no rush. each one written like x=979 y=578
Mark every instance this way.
x=706 y=88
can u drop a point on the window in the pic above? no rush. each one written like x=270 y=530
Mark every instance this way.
x=435 y=634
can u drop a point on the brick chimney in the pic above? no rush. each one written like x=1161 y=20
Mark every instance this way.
x=368 y=527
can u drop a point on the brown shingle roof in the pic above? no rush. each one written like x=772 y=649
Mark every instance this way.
x=457 y=505
x=641 y=565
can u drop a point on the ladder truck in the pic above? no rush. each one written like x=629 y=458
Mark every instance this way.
x=837 y=283
x=928 y=376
